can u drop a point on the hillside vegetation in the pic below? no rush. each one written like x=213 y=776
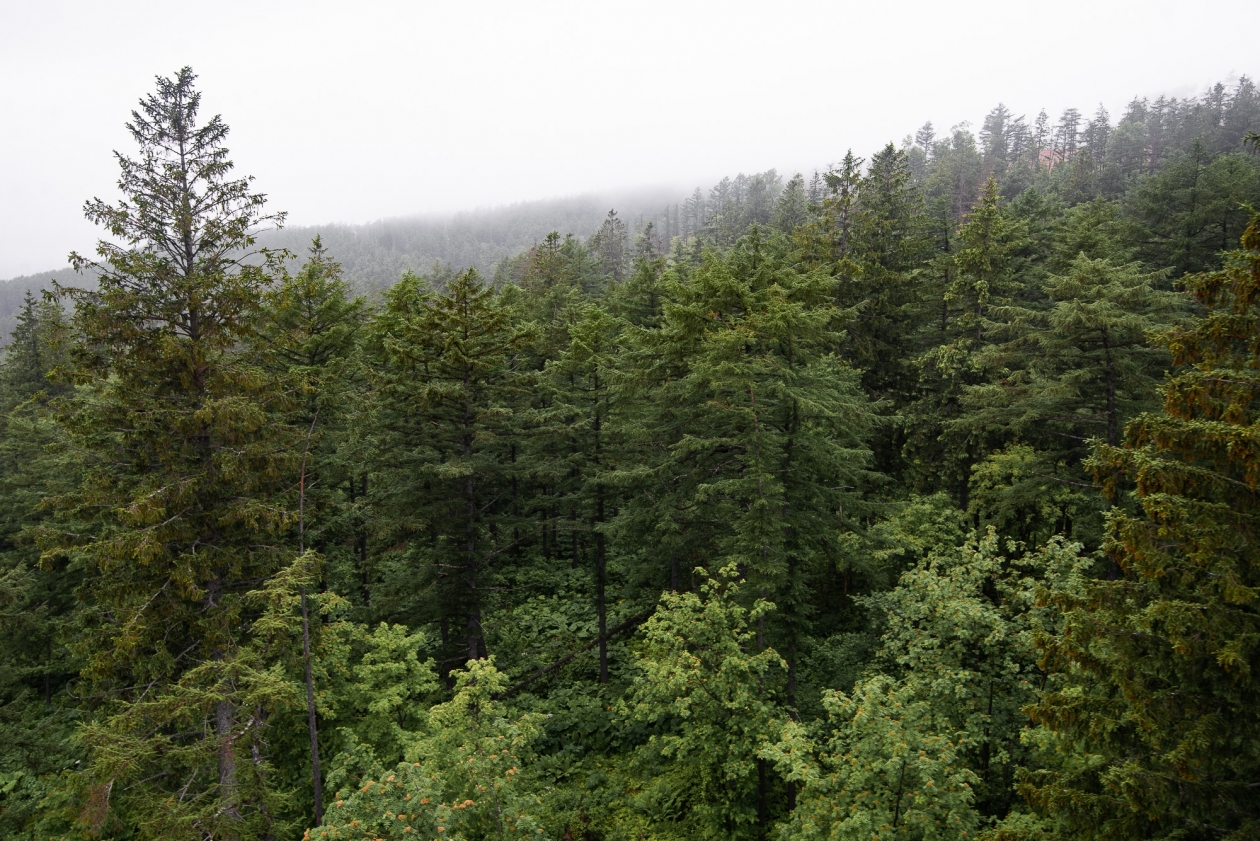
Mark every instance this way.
x=916 y=498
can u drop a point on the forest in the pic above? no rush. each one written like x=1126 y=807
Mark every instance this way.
x=915 y=498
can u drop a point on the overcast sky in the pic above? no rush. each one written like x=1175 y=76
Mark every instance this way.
x=354 y=111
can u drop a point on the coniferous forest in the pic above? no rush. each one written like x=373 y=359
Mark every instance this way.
x=917 y=498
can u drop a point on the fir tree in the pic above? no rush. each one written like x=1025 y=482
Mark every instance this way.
x=749 y=444
x=575 y=439
x=1063 y=377
x=984 y=277
x=791 y=211
x=890 y=245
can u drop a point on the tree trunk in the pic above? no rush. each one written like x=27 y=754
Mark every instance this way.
x=473 y=629
x=312 y=724
x=762 y=816
x=228 y=793
x=363 y=547
x=601 y=564
x=1113 y=416
x=600 y=607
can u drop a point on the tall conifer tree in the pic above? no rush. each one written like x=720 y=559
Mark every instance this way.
x=450 y=375
x=184 y=485
x=1157 y=723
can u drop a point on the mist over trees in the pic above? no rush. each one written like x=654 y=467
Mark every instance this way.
x=911 y=498
x=1144 y=139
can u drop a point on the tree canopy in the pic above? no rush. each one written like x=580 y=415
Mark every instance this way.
x=910 y=499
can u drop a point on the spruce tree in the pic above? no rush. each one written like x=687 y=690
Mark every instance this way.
x=940 y=444
x=38 y=606
x=1064 y=376
x=450 y=372
x=184 y=493
x=1154 y=731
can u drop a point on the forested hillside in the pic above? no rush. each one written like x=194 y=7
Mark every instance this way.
x=911 y=499
x=373 y=256
x=14 y=291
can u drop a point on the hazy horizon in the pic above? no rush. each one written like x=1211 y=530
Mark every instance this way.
x=386 y=111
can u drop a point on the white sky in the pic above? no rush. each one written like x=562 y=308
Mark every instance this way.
x=354 y=111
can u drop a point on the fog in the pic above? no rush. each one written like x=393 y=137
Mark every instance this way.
x=350 y=112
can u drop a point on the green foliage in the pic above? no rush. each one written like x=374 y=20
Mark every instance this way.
x=463 y=776
x=250 y=528
x=182 y=493
x=308 y=337
x=1074 y=369
x=926 y=746
x=1194 y=210
x=1157 y=720
x=750 y=427
x=375 y=686
x=308 y=329
x=982 y=278
x=707 y=692
x=792 y=209
x=448 y=375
